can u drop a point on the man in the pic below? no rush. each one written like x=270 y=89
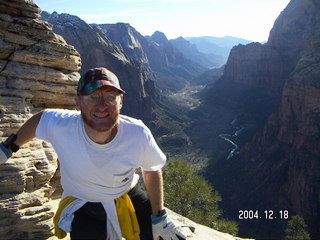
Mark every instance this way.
x=99 y=150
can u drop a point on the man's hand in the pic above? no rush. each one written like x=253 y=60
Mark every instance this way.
x=5 y=153
x=25 y=134
x=163 y=228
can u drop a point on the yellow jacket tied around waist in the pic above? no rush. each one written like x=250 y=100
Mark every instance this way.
x=127 y=218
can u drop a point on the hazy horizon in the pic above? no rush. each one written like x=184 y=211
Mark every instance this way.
x=246 y=19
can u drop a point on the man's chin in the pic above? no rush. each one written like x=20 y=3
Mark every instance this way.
x=100 y=127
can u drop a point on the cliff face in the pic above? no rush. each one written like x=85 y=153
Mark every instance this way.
x=273 y=89
x=289 y=146
x=37 y=69
x=171 y=59
x=292 y=29
x=131 y=41
x=292 y=134
x=255 y=66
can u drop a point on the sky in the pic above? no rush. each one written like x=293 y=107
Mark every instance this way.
x=248 y=19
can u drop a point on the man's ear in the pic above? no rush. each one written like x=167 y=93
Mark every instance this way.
x=77 y=100
x=121 y=101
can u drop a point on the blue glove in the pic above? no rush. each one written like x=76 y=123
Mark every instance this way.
x=164 y=228
x=5 y=153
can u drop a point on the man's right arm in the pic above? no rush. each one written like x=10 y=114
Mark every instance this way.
x=25 y=134
x=28 y=130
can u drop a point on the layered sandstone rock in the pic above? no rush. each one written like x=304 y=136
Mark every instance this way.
x=37 y=70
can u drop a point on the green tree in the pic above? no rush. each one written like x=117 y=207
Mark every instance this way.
x=191 y=196
x=297 y=229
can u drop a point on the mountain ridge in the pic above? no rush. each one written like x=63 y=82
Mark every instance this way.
x=220 y=46
x=159 y=54
x=191 y=52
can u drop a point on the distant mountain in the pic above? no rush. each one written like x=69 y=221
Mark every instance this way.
x=220 y=46
x=191 y=52
x=171 y=68
x=159 y=38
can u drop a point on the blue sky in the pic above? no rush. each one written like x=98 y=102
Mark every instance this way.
x=248 y=19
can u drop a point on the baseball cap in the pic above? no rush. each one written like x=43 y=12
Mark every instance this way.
x=96 y=78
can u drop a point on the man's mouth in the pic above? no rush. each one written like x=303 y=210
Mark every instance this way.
x=101 y=116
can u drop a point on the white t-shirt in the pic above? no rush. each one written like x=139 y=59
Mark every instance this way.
x=98 y=172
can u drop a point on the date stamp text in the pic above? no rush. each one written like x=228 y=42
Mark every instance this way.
x=263 y=215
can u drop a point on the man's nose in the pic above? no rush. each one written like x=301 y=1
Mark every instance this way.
x=101 y=102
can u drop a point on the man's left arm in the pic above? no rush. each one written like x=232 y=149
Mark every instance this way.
x=162 y=226
x=154 y=185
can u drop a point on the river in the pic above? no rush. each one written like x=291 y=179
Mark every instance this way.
x=232 y=137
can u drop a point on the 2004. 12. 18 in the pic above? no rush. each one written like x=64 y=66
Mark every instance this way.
x=266 y=214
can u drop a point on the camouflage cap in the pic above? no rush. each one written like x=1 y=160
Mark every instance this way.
x=96 y=78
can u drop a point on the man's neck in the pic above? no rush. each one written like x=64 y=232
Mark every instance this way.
x=99 y=136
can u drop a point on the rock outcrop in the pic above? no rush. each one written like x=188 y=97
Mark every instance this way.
x=38 y=69
x=200 y=232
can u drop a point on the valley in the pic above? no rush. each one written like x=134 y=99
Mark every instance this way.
x=187 y=97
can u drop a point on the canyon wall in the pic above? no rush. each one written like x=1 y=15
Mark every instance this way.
x=38 y=69
x=272 y=92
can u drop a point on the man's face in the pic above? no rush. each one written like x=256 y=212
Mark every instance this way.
x=100 y=110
